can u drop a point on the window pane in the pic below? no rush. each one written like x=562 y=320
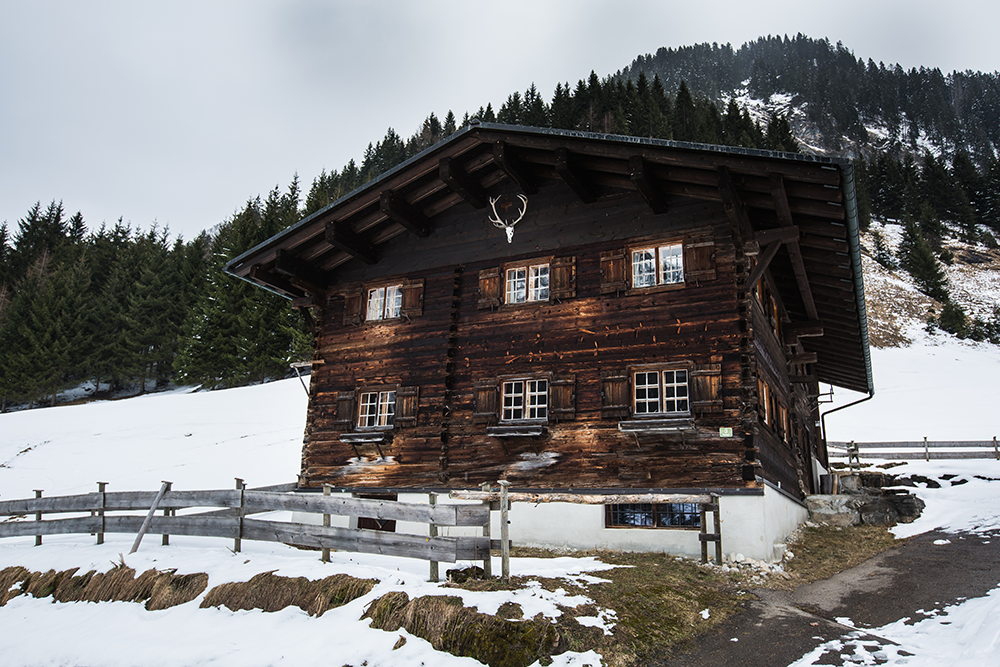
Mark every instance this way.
x=675 y=391
x=539 y=286
x=386 y=408
x=647 y=392
x=376 y=301
x=393 y=300
x=516 y=285
x=538 y=399
x=643 y=268
x=513 y=400
x=671 y=264
x=368 y=413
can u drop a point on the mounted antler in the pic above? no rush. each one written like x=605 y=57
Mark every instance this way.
x=507 y=226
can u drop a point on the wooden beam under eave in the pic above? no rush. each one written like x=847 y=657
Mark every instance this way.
x=277 y=283
x=641 y=178
x=763 y=261
x=811 y=329
x=508 y=162
x=733 y=204
x=803 y=358
x=300 y=273
x=349 y=242
x=780 y=197
x=399 y=210
x=459 y=182
x=573 y=176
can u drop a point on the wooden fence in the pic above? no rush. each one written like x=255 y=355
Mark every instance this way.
x=232 y=520
x=925 y=450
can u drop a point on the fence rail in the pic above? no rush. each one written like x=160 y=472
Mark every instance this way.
x=916 y=450
x=229 y=520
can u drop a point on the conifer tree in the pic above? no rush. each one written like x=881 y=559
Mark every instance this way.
x=917 y=257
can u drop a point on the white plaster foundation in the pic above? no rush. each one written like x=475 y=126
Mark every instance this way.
x=751 y=525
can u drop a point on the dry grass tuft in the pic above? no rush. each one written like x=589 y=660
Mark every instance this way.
x=159 y=590
x=449 y=626
x=269 y=592
x=823 y=551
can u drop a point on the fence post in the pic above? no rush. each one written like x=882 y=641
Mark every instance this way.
x=704 y=533
x=717 y=527
x=488 y=559
x=927 y=454
x=165 y=539
x=149 y=517
x=38 y=517
x=996 y=452
x=504 y=532
x=432 y=531
x=100 y=490
x=325 y=557
x=238 y=542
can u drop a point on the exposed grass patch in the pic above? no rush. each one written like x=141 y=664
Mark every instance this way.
x=269 y=592
x=449 y=626
x=159 y=590
x=823 y=551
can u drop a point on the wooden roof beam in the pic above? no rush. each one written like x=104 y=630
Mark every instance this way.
x=784 y=212
x=573 y=176
x=810 y=329
x=405 y=214
x=763 y=261
x=641 y=178
x=347 y=241
x=264 y=277
x=301 y=274
x=452 y=175
x=508 y=162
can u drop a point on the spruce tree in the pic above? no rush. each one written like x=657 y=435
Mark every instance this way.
x=917 y=257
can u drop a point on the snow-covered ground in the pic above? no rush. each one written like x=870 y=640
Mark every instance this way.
x=938 y=387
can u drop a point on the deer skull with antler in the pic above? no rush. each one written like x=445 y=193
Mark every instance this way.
x=504 y=224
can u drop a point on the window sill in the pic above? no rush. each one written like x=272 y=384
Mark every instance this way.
x=366 y=437
x=519 y=431
x=673 y=425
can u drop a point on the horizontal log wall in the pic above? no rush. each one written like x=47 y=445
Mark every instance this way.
x=453 y=344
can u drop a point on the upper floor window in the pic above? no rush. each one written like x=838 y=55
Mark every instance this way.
x=377 y=409
x=525 y=399
x=661 y=392
x=384 y=302
x=527 y=283
x=662 y=265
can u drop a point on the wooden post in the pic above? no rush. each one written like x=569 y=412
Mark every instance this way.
x=165 y=539
x=149 y=517
x=717 y=528
x=927 y=455
x=704 y=532
x=100 y=489
x=38 y=517
x=504 y=532
x=326 y=524
x=432 y=532
x=488 y=557
x=996 y=452
x=238 y=542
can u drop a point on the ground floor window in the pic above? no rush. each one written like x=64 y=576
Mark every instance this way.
x=653 y=515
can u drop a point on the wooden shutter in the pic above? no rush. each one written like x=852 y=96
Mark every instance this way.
x=354 y=301
x=614 y=273
x=616 y=402
x=706 y=387
x=486 y=407
x=489 y=288
x=413 y=298
x=344 y=417
x=699 y=258
x=563 y=285
x=406 y=406
x=562 y=396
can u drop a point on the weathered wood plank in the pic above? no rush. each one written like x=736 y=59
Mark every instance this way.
x=583 y=498
x=441 y=515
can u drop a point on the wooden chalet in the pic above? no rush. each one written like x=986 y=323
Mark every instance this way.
x=659 y=319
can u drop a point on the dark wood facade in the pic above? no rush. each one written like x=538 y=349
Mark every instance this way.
x=768 y=303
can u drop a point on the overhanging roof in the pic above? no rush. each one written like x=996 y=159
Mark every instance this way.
x=799 y=209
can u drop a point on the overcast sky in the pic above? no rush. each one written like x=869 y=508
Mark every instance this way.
x=179 y=111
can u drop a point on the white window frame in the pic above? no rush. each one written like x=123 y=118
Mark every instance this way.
x=526 y=284
x=661 y=392
x=658 y=265
x=384 y=303
x=377 y=409
x=524 y=400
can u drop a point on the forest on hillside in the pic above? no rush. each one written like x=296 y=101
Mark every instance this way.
x=130 y=310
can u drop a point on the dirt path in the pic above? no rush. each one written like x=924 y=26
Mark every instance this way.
x=780 y=627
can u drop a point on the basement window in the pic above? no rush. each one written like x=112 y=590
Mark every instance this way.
x=653 y=515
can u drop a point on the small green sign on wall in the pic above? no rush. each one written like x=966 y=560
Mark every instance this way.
x=725 y=432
